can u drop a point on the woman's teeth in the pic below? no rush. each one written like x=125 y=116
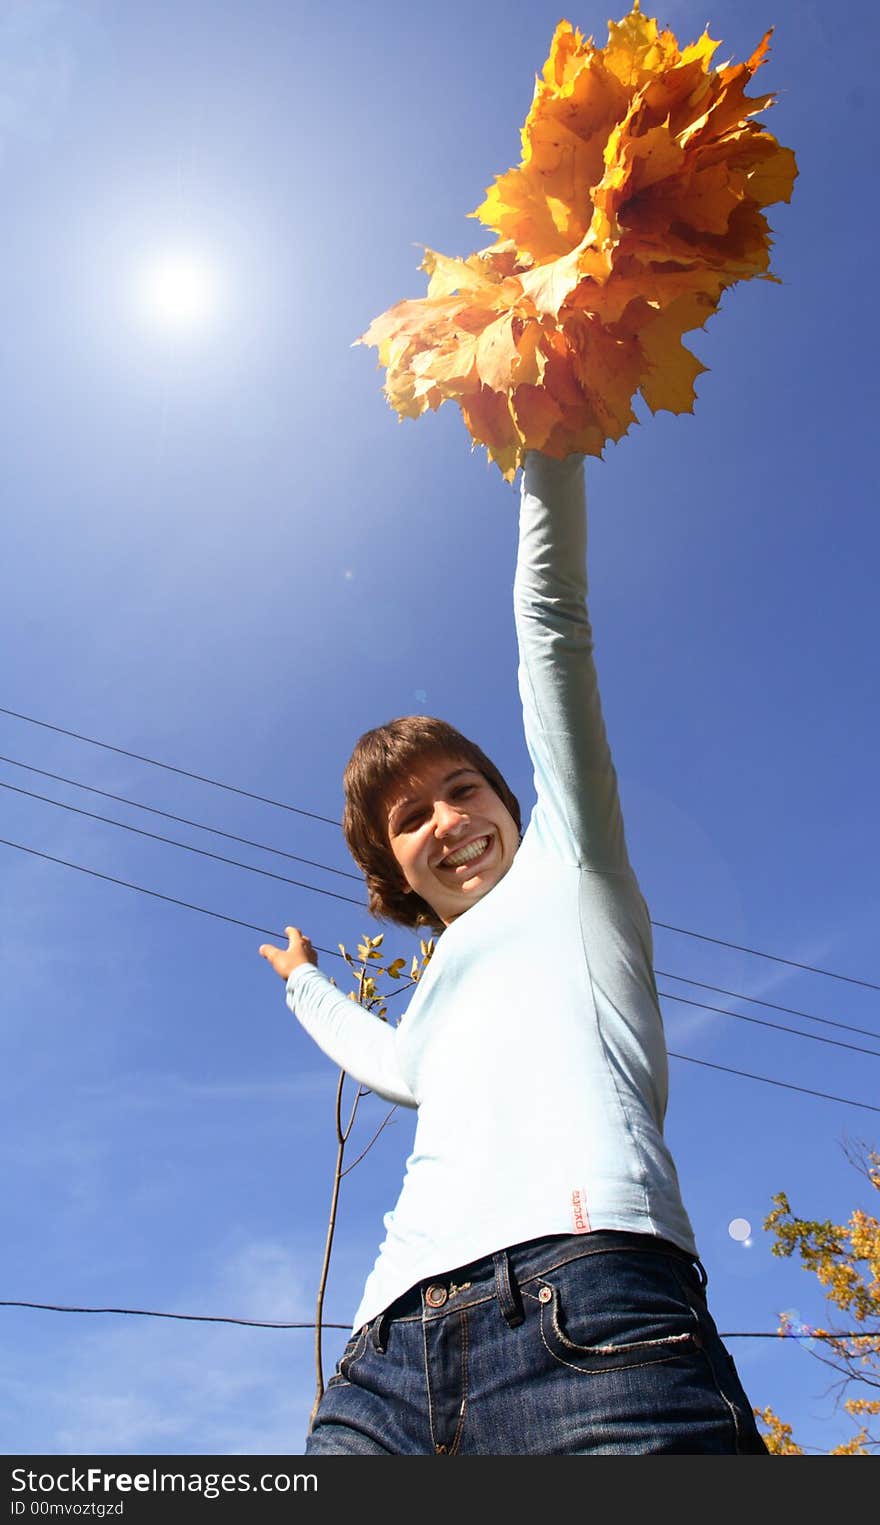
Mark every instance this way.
x=467 y=854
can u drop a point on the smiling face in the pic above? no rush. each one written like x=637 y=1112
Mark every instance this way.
x=451 y=834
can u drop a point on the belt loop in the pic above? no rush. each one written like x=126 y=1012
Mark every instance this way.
x=507 y=1290
x=377 y=1333
x=701 y=1272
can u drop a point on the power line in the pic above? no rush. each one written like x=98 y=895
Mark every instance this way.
x=297 y=810
x=846 y=1027
x=255 y=1323
x=299 y=884
x=187 y=846
x=270 y=932
x=169 y=767
x=784 y=1084
x=169 y=815
x=182 y=820
x=777 y=1027
x=193 y=1318
x=779 y=1334
x=126 y=884
x=792 y=962
x=157 y=895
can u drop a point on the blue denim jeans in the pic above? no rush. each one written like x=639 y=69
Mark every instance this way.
x=596 y=1344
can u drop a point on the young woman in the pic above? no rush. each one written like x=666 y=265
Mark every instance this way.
x=538 y=1291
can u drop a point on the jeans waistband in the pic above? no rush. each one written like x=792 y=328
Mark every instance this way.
x=502 y=1274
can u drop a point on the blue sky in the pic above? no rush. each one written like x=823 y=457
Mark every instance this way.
x=221 y=550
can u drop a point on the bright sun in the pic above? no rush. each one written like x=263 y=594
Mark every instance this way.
x=178 y=291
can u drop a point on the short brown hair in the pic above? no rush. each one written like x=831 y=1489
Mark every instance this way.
x=383 y=758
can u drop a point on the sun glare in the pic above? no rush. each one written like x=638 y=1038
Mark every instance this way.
x=178 y=292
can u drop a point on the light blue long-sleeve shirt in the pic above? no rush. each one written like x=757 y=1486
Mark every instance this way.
x=533 y=1045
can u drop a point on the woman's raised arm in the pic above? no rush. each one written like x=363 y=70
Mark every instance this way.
x=578 y=810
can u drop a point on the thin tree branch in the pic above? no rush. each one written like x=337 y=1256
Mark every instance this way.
x=383 y=1123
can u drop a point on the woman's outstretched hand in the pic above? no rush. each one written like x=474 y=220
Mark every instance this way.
x=298 y=951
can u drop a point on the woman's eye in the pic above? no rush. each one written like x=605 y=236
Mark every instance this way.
x=410 y=822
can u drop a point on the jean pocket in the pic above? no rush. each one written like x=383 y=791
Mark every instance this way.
x=634 y=1321
x=353 y=1351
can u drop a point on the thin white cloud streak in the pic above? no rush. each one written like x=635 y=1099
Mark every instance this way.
x=769 y=980
x=164 y=1092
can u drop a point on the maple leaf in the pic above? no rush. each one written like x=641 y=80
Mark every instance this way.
x=637 y=202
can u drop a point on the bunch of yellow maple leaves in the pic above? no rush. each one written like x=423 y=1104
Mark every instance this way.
x=637 y=202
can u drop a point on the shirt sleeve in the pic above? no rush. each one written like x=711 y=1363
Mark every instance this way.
x=360 y=1043
x=577 y=814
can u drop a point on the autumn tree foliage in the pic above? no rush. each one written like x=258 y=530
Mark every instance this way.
x=845 y=1257
x=637 y=202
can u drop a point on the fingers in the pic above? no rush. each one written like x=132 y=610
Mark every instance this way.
x=298 y=941
x=292 y=934
x=298 y=951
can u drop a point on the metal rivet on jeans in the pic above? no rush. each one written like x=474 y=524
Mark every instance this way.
x=435 y=1297
x=544 y=1295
